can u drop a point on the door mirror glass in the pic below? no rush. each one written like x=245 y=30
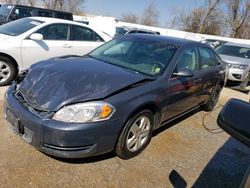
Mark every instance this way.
x=184 y=73
x=36 y=36
x=234 y=119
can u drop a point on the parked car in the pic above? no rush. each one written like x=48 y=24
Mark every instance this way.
x=214 y=43
x=10 y=12
x=237 y=57
x=28 y=40
x=113 y=98
x=128 y=30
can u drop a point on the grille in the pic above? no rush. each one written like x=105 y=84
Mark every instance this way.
x=39 y=113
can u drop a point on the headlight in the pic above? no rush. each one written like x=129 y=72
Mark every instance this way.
x=239 y=66
x=85 y=112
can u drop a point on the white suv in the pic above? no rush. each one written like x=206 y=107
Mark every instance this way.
x=29 y=40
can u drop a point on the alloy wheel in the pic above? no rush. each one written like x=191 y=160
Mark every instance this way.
x=4 y=71
x=138 y=133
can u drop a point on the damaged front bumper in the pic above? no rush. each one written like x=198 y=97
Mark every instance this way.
x=60 y=139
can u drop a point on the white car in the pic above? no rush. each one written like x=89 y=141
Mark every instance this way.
x=29 y=40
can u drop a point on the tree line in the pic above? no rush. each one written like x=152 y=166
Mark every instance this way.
x=217 y=17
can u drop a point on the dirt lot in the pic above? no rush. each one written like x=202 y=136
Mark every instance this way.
x=199 y=158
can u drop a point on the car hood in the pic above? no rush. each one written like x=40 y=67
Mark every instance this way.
x=234 y=60
x=51 y=84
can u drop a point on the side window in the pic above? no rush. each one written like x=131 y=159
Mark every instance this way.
x=54 y=32
x=43 y=13
x=206 y=58
x=22 y=12
x=84 y=34
x=188 y=60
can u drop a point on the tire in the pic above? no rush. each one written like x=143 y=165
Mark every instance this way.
x=136 y=135
x=209 y=106
x=8 y=71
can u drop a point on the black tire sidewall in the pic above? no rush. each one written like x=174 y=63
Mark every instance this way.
x=209 y=106
x=13 y=71
x=121 y=147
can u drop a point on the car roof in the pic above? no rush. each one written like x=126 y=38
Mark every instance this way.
x=237 y=44
x=137 y=29
x=32 y=7
x=55 y=20
x=167 y=39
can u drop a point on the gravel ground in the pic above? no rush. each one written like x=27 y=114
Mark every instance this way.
x=186 y=153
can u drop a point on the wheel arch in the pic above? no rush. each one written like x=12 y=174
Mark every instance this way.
x=10 y=57
x=154 y=108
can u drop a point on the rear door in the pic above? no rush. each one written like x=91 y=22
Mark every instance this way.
x=84 y=39
x=55 y=43
x=183 y=93
x=210 y=71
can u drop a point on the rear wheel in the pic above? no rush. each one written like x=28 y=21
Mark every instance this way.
x=209 y=106
x=8 y=71
x=136 y=135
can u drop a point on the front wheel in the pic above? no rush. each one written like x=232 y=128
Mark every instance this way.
x=8 y=71
x=209 y=106
x=136 y=135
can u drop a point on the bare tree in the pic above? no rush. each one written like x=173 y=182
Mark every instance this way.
x=150 y=15
x=238 y=17
x=198 y=22
x=205 y=20
x=211 y=8
x=131 y=18
x=31 y=3
x=12 y=1
x=74 y=6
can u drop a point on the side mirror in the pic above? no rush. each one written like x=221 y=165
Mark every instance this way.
x=184 y=73
x=234 y=119
x=36 y=36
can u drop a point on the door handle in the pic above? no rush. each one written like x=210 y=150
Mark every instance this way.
x=67 y=46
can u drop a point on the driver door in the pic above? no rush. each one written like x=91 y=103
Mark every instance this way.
x=55 y=43
x=183 y=92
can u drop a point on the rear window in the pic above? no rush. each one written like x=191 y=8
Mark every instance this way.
x=80 y=33
x=18 y=27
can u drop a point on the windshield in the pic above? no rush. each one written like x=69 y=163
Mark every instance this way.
x=140 y=55
x=236 y=51
x=18 y=27
x=5 y=10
